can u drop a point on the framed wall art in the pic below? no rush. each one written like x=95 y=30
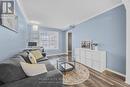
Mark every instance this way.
x=8 y=18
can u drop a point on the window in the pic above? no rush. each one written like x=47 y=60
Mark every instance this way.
x=34 y=37
x=49 y=39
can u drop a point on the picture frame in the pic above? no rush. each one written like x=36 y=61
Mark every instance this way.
x=86 y=44
x=9 y=21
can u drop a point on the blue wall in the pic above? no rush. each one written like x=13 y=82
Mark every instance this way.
x=61 y=40
x=12 y=42
x=109 y=31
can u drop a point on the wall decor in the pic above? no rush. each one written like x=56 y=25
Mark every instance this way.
x=86 y=44
x=8 y=18
x=89 y=44
x=9 y=21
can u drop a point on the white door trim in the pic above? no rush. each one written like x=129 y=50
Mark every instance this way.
x=67 y=40
x=127 y=6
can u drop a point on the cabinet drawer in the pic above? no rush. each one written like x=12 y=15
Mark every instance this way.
x=82 y=54
x=89 y=56
x=96 y=65
x=78 y=59
x=96 y=57
x=88 y=63
x=83 y=59
x=88 y=52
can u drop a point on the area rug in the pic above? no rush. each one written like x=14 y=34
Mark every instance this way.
x=79 y=75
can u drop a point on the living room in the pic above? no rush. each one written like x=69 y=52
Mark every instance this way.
x=64 y=43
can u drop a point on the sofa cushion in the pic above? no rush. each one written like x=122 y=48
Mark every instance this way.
x=49 y=66
x=32 y=58
x=25 y=56
x=50 y=79
x=10 y=71
x=33 y=69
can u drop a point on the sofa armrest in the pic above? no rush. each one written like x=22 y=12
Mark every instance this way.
x=43 y=54
x=42 y=59
x=49 y=79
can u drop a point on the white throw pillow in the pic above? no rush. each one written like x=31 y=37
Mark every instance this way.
x=32 y=58
x=33 y=69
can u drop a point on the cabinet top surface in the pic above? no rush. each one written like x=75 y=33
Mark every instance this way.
x=91 y=50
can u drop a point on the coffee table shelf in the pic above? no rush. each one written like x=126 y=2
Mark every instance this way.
x=65 y=65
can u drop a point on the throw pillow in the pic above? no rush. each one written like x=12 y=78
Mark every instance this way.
x=32 y=58
x=24 y=54
x=37 y=54
x=33 y=69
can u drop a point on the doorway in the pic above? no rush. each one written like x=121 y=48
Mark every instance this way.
x=70 y=45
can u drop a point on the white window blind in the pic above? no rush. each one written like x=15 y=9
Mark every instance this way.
x=49 y=39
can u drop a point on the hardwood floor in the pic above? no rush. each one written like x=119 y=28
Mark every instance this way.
x=97 y=79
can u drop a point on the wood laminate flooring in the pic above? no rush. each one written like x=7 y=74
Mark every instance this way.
x=97 y=79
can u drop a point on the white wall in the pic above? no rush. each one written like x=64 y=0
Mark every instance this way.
x=127 y=5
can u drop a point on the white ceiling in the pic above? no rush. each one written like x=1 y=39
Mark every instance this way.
x=63 y=13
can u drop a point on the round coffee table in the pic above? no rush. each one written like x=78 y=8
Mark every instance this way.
x=76 y=76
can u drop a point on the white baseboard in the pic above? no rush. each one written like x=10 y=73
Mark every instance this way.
x=127 y=82
x=116 y=72
x=56 y=54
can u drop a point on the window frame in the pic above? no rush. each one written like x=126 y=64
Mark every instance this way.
x=41 y=40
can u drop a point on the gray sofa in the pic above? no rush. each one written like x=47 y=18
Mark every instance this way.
x=12 y=75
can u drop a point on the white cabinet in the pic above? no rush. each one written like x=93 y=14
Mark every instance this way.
x=77 y=55
x=91 y=58
x=82 y=56
x=88 y=63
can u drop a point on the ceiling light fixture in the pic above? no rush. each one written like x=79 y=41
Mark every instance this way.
x=35 y=27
